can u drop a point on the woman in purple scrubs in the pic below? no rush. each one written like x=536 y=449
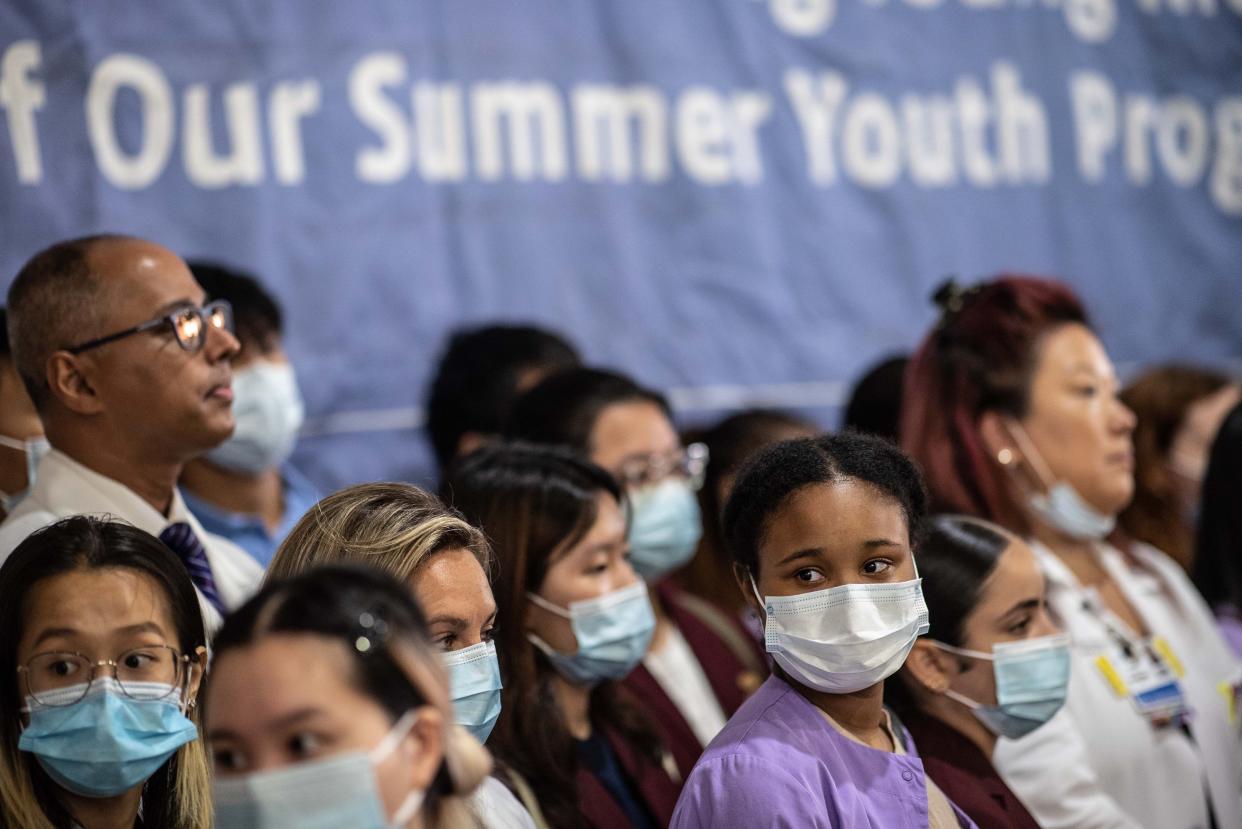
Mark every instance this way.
x=821 y=533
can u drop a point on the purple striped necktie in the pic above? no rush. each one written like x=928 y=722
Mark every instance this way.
x=180 y=538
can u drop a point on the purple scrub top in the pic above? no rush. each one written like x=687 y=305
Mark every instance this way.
x=779 y=763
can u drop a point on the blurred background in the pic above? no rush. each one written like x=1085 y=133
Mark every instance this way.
x=741 y=202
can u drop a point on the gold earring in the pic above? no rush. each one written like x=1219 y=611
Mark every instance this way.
x=1005 y=456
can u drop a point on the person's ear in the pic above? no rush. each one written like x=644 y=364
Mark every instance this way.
x=998 y=439
x=197 y=666
x=931 y=667
x=422 y=748
x=70 y=378
x=744 y=583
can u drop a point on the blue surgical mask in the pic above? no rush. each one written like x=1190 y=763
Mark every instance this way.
x=106 y=743
x=665 y=527
x=1064 y=509
x=1031 y=681
x=336 y=792
x=1061 y=507
x=474 y=680
x=268 y=411
x=613 y=633
x=35 y=450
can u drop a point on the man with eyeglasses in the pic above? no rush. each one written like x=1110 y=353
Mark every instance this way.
x=131 y=376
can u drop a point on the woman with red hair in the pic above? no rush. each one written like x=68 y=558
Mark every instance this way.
x=1012 y=410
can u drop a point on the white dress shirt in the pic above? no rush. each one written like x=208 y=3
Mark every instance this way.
x=1102 y=764
x=677 y=670
x=64 y=487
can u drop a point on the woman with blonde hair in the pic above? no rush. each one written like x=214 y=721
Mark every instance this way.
x=328 y=708
x=409 y=534
x=104 y=645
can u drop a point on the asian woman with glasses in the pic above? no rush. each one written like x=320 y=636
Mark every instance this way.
x=105 y=646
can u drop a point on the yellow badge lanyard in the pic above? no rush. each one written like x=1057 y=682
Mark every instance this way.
x=1149 y=675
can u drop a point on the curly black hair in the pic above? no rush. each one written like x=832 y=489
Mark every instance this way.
x=782 y=469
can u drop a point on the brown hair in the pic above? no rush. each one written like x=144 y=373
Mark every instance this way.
x=534 y=502
x=1160 y=399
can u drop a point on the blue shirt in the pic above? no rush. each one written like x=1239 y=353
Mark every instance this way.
x=779 y=763
x=247 y=531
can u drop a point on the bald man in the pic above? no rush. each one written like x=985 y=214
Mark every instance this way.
x=131 y=377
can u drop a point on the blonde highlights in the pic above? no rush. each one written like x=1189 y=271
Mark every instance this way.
x=393 y=527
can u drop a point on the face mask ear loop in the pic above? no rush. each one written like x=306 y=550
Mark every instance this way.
x=399 y=731
x=967 y=701
x=962 y=651
x=949 y=692
x=541 y=645
x=540 y=601
x=754 y=588
x=1027 y=447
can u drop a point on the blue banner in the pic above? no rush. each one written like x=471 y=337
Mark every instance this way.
x=736 y=200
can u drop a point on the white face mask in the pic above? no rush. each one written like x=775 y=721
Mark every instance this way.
x=268 y=410
x=322 y=794
x=847 y=638
x=1061 y=506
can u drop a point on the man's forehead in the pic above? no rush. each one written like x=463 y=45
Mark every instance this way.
x=143 y=274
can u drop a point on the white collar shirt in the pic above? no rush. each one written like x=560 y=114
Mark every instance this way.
x=64 y=487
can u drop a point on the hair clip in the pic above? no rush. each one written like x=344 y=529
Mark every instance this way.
x=372 y=631
x=951 y=298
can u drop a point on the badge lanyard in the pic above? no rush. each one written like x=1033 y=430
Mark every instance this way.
x=1146 y=672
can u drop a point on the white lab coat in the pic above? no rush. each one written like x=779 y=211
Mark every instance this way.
x=1135 y=774
x=64 y=487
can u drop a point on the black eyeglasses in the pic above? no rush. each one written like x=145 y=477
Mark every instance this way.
x=189 y=325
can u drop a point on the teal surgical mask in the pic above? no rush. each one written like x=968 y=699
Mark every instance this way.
x=613 y=633
x=336 y=792
x=107 y=742
x=474 y=680
x=1032 y=677
x=35 y=450
x=665 y=527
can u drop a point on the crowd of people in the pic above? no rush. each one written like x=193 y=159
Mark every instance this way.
x=1007 y=592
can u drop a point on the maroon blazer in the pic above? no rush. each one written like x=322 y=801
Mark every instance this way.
x=734 y=669
x=652 y=784
x=966 y=775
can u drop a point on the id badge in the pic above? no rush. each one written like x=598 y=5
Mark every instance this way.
x=1149 y=682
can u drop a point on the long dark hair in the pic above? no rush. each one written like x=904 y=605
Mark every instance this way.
x=956 y=557
x=1217 y=572
x=176 y=795
x=532 y=501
